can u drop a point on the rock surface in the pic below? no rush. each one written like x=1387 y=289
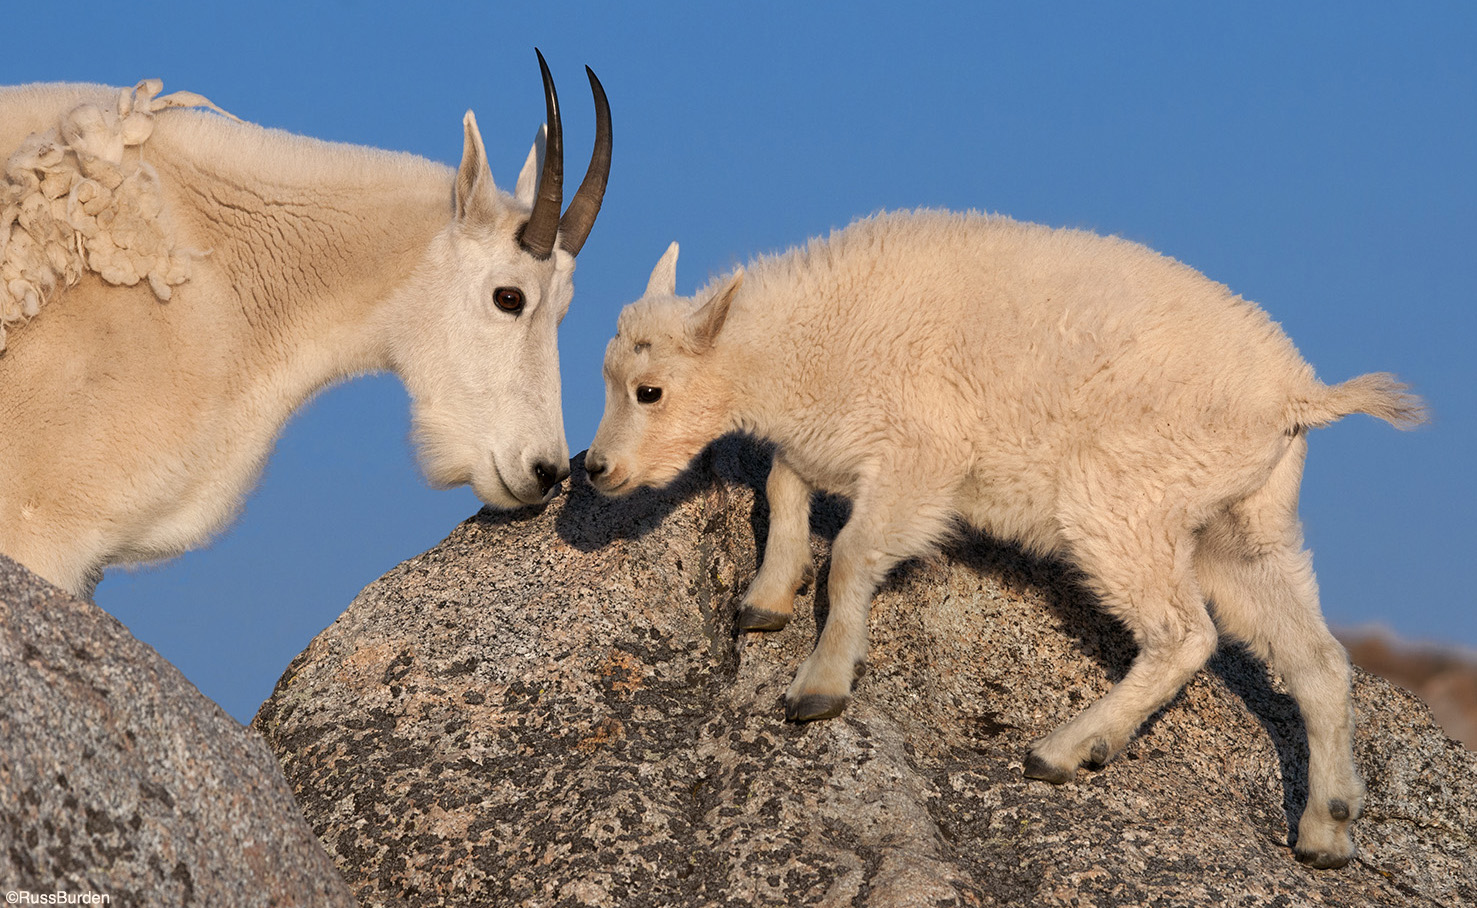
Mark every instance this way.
x=118 y=778
x=553 y=709
x=1446 y=679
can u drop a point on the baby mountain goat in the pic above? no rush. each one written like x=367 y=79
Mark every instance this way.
x=1080 y=395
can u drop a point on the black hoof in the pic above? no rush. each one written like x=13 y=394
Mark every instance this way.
x=1037 y=768
x=1321 y=860
x=814 y=706
x=756 y=619
x=1099 y=756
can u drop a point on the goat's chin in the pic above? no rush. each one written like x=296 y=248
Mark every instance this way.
x=492 y=485
x=618 y=481
x=621 y=483
x=488 y=487
x=617 y=487
x=450 y=467
x=442 y=471
x=495 y=494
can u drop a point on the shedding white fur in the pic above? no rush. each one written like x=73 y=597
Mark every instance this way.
x=70 y=203
x=1080 y=395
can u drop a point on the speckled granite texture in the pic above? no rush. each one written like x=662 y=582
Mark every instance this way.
x=118 y=778
x=553 y=709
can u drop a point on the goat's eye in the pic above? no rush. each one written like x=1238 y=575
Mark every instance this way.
x=508 y=299
x=646 y=394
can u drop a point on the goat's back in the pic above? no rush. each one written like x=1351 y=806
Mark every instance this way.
x=973 y=314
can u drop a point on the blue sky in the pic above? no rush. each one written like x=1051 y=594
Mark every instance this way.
x=1319 y=158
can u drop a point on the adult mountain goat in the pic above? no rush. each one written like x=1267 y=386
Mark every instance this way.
x=1080 y=395
x=176 y=284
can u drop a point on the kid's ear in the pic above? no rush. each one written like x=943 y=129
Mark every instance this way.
x=704 y=325
x=663 y=280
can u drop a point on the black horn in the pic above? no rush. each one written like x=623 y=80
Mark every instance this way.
x=543 y=224
x=575 y=226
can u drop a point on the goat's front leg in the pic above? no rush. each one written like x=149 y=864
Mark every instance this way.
x=770 y=600
x=872 y=542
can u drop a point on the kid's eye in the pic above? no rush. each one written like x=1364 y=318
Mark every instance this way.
x=508 y=299
x=646 y=394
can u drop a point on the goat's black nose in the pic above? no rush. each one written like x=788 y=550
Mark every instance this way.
x=548 y=475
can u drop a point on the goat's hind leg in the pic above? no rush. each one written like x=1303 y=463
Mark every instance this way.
x=1144 y=579
x=770 y=600
x=1267 y=596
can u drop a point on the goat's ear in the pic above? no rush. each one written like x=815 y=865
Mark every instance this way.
x=473 y=178
x=663 y=280
x=704 y=325
x=528 y=177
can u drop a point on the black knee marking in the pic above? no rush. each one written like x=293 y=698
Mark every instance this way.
x=814 y=706
x=1338 y=808
x=1099 y=754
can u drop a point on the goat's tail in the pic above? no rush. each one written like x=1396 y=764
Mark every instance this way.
x=1378 y=394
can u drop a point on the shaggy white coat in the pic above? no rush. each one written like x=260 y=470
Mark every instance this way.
x=177 y=284
x=1080 y=395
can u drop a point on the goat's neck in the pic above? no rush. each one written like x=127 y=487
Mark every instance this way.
x=311 y=264
x=743 y=387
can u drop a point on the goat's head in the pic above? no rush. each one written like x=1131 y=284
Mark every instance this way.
x=482 y=364
x=664 y=401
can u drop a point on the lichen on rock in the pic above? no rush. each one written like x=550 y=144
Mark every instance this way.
x=553 y=709
x=119 y=779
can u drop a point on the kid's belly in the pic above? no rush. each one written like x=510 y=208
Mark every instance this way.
x=1013 y=507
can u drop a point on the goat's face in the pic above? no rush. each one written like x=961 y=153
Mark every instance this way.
x=480 y=356
x=483 y=366
x=664 y=400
